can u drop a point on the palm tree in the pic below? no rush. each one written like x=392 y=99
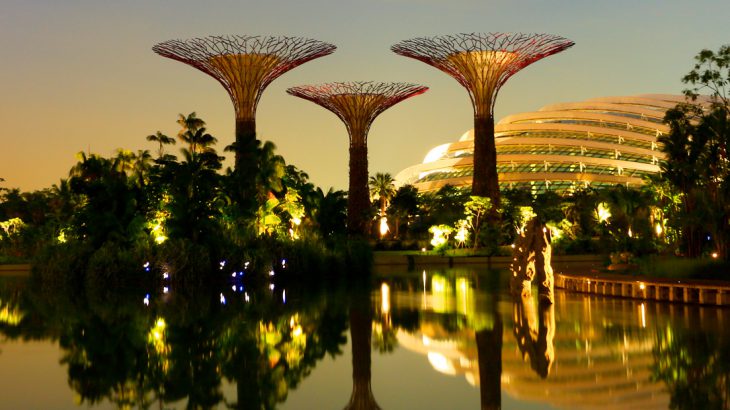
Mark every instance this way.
x=403 y=206
x=141 y=167
x=330 y=212
x=383 y=189
x=161 y=139
x=191 y=123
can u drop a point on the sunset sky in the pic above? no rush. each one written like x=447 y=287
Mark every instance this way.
x=80 y=74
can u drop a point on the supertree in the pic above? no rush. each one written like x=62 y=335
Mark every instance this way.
x=357 y=104
x=482 y=63
x=245 y=66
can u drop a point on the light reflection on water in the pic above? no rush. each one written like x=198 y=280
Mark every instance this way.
x=439 y=338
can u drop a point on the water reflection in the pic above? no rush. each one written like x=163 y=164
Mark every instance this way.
x=360 y=332
x=581 y=352
x=186 y=349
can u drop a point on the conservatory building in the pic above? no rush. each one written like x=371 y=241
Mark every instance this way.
x=561 y=147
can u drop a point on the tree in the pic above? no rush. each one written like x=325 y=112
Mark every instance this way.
x=403 y=207
x=162 y=140
x=382 y=189
x=330 y=212
x=696 y=152
x=476 y=210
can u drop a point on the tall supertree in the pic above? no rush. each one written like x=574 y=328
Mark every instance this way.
x=357 y=104
x=245 y=66
x=482 y=63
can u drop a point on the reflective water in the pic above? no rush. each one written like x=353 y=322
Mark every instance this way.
x=433 y=339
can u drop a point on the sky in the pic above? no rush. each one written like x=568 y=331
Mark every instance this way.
x=79 y=75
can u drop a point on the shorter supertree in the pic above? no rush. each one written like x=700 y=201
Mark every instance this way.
x=357 y=104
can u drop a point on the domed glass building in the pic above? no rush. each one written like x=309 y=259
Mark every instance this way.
x=561 y=147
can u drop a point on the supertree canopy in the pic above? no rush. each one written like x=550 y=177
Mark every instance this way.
x=357 y=104
x=482 y=63
x=244 y=65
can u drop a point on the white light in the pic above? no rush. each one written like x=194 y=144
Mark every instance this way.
x=146 y=300
x=283 y=295
x=423 y=249
x=233 y=275
x=146 y=265
x=271 y=272
x=441 y=363
x=165 y=275
x=233 y=287
x=383 y=226
x=283 y=263
x=245 y=265
x=165 y=289
x=271 y=286
x=223 y=299
x=385 y=298
x=642 y=312
x=245 y=296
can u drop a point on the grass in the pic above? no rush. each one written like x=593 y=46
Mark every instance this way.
x=683 y=268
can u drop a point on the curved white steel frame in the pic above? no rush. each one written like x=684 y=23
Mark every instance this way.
x=607 y=140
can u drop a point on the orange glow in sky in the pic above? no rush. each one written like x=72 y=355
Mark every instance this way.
x=80 y=75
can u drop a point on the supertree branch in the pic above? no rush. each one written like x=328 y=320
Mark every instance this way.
x=357 y=104
x=482 y=62
x=244 y=65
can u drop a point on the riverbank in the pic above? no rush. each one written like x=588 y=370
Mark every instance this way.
x=579 y=273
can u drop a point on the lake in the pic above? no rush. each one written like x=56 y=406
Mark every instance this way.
x=426 y=339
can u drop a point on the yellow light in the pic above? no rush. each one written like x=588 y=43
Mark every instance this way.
x=658 y=229
x=62 y=236
x=158 y=233
x=383 y=226
x=385 y=298
x=631 y=234
x=642 y=286
x=296 y=221
x=462 y=234
x=10 y=316
x=440 y=234
x=603 y=212
x=715 y=255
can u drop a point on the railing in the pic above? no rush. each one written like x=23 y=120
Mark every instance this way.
x=657 y=289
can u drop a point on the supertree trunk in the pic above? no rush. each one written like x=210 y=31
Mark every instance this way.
x=358 y=199
x=485 y=180
x=246 y=165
